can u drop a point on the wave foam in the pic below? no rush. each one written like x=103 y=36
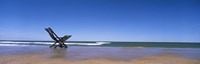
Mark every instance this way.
x=11 y=43
x=94 y=44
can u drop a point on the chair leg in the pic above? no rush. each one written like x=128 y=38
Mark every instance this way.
x=53 y=45
x=65 y=45
x=62 y=41
x=50 y=46
x=61 y=45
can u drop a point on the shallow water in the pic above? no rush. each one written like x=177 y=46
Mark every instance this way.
x=83 y=52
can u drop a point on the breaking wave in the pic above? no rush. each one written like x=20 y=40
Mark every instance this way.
x=13 y=43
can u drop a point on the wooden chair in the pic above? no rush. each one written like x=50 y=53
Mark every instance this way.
x=59 y=40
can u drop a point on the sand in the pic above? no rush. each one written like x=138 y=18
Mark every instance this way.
x=41 y=59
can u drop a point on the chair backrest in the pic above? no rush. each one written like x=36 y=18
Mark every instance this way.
x=65 y=37
x=52 y=34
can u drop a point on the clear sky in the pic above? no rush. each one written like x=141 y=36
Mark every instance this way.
x=101 y=20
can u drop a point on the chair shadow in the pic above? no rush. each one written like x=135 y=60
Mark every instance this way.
x=58 y=53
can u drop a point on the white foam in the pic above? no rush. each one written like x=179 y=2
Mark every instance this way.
x=94 y=44
x=10 y=42
x=14 y=42
x=12 y=45
x=103 y=42
x=41 y=43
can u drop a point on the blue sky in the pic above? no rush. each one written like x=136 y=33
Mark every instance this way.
x=101 y=20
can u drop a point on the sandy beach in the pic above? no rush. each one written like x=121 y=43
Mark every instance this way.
x=40 y=59
x=98 y=55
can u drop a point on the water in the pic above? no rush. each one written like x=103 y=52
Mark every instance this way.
x=111 y=50
x=104 y=44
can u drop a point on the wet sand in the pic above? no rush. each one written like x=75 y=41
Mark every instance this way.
x=99 y=55
x=40 y=59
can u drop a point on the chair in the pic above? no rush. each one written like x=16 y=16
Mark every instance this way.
x=59 y=40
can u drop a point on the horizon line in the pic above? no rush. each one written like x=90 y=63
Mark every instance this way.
x=110 y=41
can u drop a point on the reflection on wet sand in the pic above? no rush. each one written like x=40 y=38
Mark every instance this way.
x=60 y=53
